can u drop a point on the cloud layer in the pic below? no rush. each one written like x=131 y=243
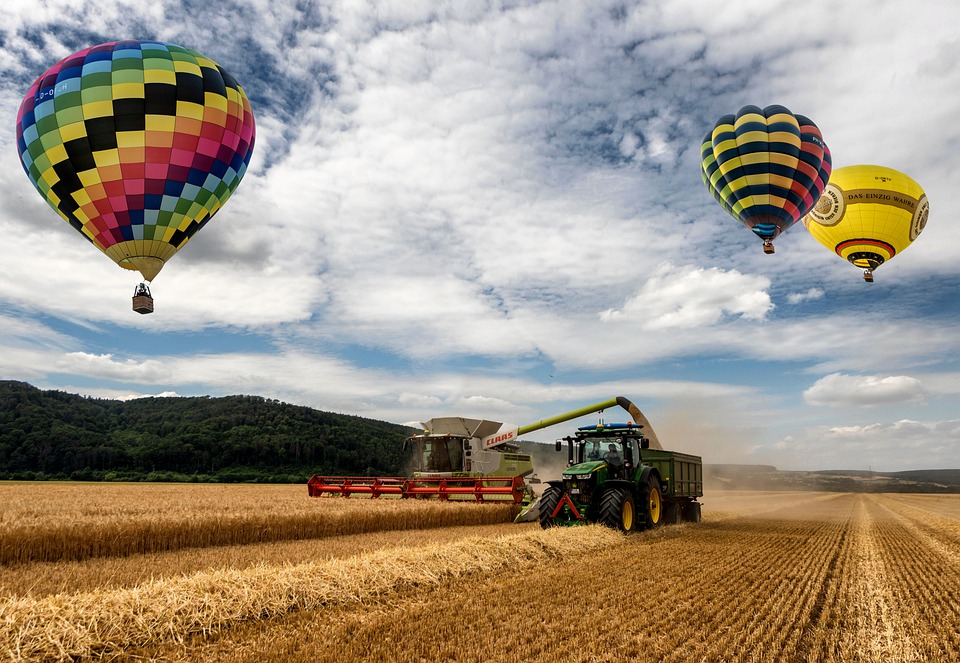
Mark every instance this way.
x=839 y=390
x=495 y=209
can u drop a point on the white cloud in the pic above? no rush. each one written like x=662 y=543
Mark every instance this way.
x=944 y=383
x=107 y=367
x=116 y=394
x=687 y=297
x=414 y=400
x=905 y=444
x=904 y=428
x=800 y=297
x=841 y=390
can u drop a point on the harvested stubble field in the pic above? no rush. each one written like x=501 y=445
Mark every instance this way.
x=765 y=577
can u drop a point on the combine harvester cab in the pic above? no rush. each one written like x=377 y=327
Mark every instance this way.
x=462 y=458
x=616 y=476
x=456 y=458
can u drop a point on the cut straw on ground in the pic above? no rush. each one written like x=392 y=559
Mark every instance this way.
x=66 y=627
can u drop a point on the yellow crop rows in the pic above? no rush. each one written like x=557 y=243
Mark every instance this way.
x=765 y=577
x=62 y=521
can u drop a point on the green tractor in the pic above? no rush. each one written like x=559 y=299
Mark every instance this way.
x=613 y=477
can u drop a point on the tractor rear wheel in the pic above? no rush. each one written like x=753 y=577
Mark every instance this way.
x=548 y=502
x=653 y=504
x=618 y=509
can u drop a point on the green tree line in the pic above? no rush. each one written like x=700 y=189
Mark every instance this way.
x=56 y=435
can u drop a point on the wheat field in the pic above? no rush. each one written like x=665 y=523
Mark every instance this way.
x=765 y=577
x=53 y=522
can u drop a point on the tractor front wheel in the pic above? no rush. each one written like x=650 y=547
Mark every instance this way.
x=653 y=504
x=618 y=510
x=548 y=503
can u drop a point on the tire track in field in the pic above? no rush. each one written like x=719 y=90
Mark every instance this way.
x=776 y=574
x=945 y=506
x=924 y=580
x=730 y=590
x=819 y=629
x=880 y=631
x=930 y=524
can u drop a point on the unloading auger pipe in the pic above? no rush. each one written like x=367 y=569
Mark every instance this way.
x=566 y=416
x=633 y=410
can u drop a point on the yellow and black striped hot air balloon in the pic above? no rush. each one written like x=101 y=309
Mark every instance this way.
x=868 y=214
x=766 y=167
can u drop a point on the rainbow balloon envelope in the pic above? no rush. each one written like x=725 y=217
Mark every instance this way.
x=136 y=144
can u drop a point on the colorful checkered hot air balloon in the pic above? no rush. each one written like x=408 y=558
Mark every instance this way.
x=868 y=214
x=136 y=144
x=766 y=167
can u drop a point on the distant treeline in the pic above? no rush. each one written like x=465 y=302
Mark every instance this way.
x=53 y=435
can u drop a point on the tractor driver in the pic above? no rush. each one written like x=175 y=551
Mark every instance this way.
x=613 y=456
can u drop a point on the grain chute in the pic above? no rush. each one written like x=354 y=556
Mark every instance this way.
x=457 y=458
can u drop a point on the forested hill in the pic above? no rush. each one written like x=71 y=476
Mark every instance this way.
x=56 y=435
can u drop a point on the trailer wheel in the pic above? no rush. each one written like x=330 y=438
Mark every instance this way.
x=653 y=504
x=618 y=509
x=548 y=502
x=671 y=513
x=691 y=512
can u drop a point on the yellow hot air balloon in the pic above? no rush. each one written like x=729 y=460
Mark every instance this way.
x=868 y=214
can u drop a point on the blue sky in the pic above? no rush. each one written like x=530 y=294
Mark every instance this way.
x=495 y=210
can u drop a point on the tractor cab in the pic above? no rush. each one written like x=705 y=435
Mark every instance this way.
x=612 y=448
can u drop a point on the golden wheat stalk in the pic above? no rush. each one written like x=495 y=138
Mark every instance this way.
x=66 y=627
x=172 y=528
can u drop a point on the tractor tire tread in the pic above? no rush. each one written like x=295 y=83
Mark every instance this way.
x=611 y=507
x=548 y=502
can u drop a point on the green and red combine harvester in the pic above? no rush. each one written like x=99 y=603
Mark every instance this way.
x=464 y=459
x=620 y=476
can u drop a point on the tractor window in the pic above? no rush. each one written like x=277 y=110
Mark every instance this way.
x=612 y=454
x=592 y=451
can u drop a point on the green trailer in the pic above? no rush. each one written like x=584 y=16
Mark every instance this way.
x=613 y=477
